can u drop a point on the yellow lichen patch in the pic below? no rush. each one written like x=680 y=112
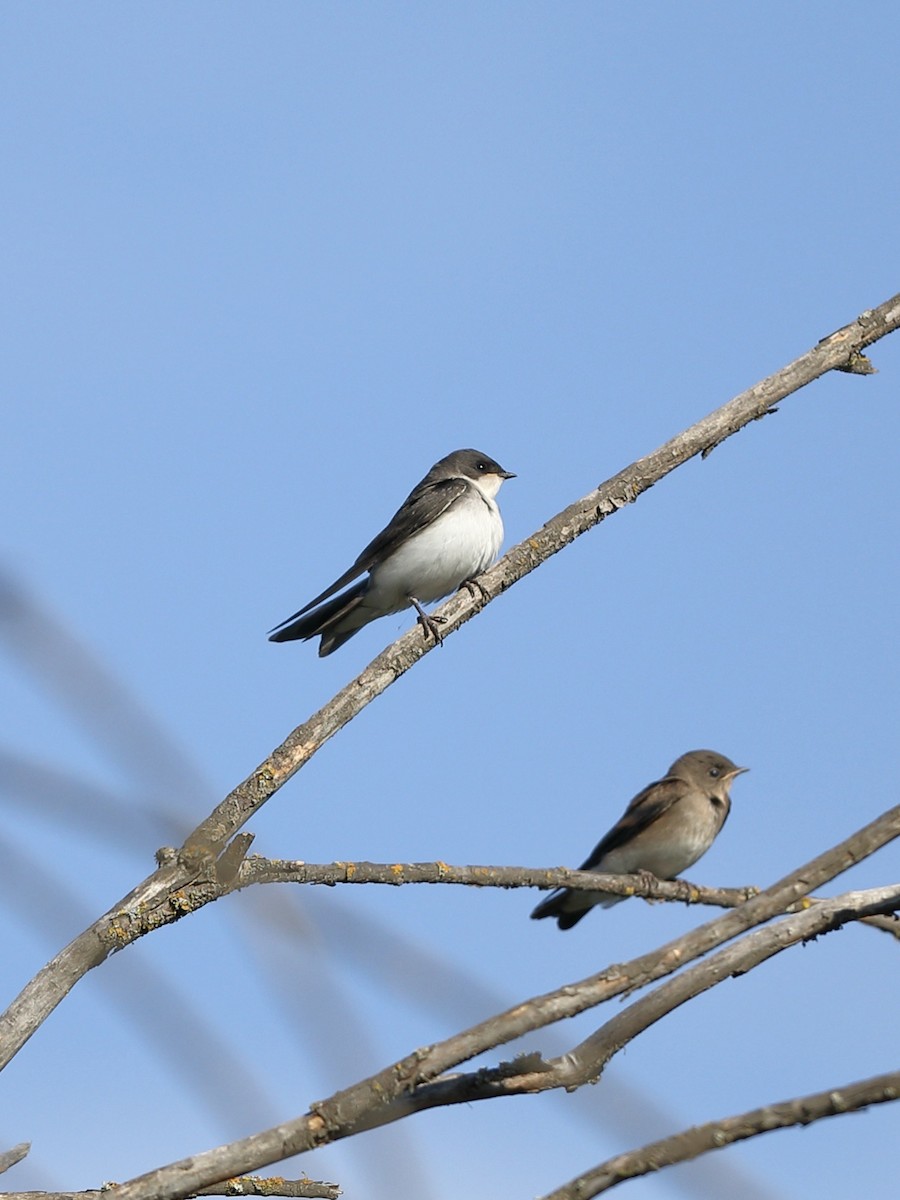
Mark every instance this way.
x=119 y=933
x=397 y=869
x=180 y=902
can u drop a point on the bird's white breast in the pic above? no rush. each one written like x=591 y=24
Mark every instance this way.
x=461 y=543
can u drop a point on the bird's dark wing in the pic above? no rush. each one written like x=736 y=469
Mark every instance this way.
x=425 y=503
x=647 y=806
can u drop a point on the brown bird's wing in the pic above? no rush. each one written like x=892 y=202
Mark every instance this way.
x=425 y=503
x=647 y=806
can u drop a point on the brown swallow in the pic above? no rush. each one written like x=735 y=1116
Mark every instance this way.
x=665 y=829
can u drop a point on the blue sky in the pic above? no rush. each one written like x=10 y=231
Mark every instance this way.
x=263 y=265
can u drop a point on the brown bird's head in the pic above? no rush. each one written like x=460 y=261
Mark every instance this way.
x=707 y=770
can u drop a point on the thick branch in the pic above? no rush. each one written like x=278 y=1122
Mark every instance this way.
x=246 y=1185
x=9 y=1158
x=153 y=902
x=691 y=1143
x=258 y=1185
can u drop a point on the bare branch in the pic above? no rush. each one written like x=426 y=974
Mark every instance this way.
x=245 y=1185
x=258 y=1185
x=257 y=869
x=532 y=1073
x=152 y=903
x=9 y=1158
x=888 y=924
x=267 y=870
x=586 y=1062
x=690 y=1143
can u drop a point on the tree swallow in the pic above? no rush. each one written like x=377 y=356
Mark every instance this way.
x=665 y=829
x=447 y=531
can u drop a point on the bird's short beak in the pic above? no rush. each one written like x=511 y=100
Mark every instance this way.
x=507 y=475
x=738 y=771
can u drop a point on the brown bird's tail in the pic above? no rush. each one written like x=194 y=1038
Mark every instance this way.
x=569 y=906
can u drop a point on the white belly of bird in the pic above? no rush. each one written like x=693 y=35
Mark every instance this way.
x=459 y=545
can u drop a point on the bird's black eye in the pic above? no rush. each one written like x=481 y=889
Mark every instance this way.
x=715 y=772
x=481 y=466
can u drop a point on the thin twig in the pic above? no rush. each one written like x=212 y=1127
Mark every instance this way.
x=690 y=1143
x=256 y=870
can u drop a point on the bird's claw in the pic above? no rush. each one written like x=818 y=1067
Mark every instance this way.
x=686 y=892
x=649 y=880
x=429 y=622
x=432 y=625
x=476 y=589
